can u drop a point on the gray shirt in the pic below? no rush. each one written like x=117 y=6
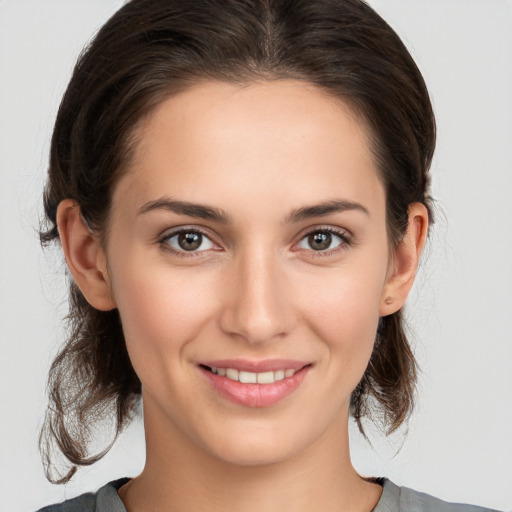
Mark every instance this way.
x=393 y=499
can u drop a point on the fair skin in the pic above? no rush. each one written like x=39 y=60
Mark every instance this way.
x=270 y=283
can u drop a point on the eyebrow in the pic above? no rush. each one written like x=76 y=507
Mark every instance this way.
x=217 y=215
x=325 y=208
x=185 y=208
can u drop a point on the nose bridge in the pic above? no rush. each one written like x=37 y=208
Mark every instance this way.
x=258 y=308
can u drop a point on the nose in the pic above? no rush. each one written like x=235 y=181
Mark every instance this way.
x=257 y=304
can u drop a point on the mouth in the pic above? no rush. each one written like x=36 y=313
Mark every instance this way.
x=241 y=382
x=247 y=377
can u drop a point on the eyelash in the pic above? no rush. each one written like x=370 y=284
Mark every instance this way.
x=344 y=236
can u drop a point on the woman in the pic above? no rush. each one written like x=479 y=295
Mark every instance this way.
x=241 y=193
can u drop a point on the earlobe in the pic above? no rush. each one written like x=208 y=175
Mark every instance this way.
x=406 y=258
x=85 y=256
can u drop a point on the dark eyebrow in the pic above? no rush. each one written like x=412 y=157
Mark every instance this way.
x=218 y=215
x=326 y=208
x=185 y=208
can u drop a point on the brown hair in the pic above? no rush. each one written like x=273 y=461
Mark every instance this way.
x=151 y=49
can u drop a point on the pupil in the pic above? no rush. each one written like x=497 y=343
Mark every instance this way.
x=320 y=241
x=189 y=241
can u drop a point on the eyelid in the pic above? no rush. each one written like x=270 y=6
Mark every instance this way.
x=169 y=232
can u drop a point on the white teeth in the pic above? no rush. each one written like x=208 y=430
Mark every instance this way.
x=247 y=377
x=266 y=378
x=251 y=377
x=279 y=375
x=232 y=374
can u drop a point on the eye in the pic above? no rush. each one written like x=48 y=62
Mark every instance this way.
x=187 y=241
x=324 y=240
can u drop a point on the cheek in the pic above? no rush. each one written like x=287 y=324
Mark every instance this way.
x=345 y=316
x=161 y=311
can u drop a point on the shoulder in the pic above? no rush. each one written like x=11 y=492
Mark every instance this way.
x=403 y=499
x=105 y=499
x=83 y=503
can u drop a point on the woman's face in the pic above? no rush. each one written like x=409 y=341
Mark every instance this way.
x=248 y=238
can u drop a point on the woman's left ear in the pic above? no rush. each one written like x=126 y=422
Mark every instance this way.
x=405 y=260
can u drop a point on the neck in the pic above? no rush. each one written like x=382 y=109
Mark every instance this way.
x=180 y=476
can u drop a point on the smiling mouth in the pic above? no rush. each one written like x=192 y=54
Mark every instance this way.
x=255 y=383
x=246 y=377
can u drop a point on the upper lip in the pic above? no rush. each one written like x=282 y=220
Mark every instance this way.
x=267 y=365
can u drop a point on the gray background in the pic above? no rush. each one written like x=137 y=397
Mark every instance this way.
x=459 y=443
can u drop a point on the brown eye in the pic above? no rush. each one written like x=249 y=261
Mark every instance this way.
x=320 y=241
x=325 y=240
x=187 y=241
x=190 y=241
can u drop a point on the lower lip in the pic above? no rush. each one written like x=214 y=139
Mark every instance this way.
x=256 y=395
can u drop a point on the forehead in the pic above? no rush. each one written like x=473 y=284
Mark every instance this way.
x=284 y=135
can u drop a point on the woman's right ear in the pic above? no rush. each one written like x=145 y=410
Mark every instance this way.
x=85 y=256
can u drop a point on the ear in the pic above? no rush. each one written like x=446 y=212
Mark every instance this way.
x=85 y=256
x=404 y=261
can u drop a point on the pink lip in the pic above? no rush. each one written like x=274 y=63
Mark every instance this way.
x=256 y=395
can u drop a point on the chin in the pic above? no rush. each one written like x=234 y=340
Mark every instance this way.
x=254 y=456
x=258 y=445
